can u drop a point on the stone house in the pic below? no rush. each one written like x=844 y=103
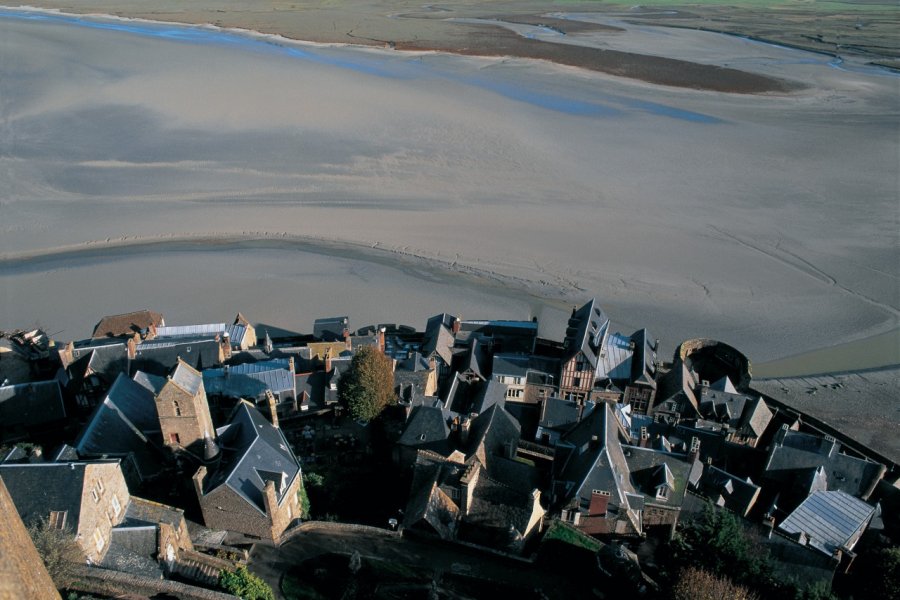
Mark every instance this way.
x=183 y=411
x=87 y=498
x=252 y=488
x=605 y=487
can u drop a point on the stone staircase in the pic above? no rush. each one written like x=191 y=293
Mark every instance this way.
x=200 y=567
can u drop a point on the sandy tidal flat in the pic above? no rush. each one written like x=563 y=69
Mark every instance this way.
x=767 y=221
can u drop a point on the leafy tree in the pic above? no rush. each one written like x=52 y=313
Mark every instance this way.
x=697 y=584
x=58 y=550
x=878 y=575
x=715 y=541
x=304 y=500
x=815 y=591
x=368 y=387
x=245 y=585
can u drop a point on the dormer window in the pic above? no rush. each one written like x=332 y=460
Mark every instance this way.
x=662 y=492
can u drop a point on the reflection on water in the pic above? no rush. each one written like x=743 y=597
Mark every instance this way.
x=374 y=64
x=877 y=351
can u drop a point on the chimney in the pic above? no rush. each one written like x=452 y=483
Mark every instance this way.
x=645 y=438
x=291 y=365
x=694 y=452
x=347 y=341
x=270 y=500
x=467 y=482
x=273 y=410
x=599 y=503
x=226 y=346
x=454 y=328
x=328 y=365
x=151 y=331
x=769 y=526
x=380 y=338
x=199 y=478
x=464 y=426
x=132 y=349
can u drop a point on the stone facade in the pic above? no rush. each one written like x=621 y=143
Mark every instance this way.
x=224 y=508
x=184 y=417
x=104 y=498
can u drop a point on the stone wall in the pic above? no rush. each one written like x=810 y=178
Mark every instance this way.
x=111 y=583
x=22 y=572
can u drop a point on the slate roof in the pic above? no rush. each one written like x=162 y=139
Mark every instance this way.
x=126 y=421
x=29 y=404
x=159 y=357
x=253 y=451
x=587 y=329
x=560 y=414
x=650 y=468
x=105 y=357
x=438 y=338
x=724 y=385
x=427 y=428
x=491 y=433
x=678 y=384
x=476 y=360
x=742 y=412
x=829 y=520
x=331 y=329
x=127 y=323
x=491 y=393
x=38 y=488
x=510 y=365
x=727 y=490
x=504 y=336
x=643 y=363
x=793 y=451
x=589 y=464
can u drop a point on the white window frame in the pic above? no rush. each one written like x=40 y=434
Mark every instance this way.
x=98 y=540
x=116 y=506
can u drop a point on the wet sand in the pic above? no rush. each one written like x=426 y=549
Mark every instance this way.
x=767 y=221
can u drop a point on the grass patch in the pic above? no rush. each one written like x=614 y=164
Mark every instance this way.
x=564 y=532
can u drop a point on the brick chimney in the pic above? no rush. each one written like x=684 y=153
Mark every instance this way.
x=464 y=426
x=694 y=451
x=291 y=365
x=599 y=503
x=199 y=477
x=467 y=484
x=380 y=339
x=273 y=407
x=328 y=365
x=645 y=438
x=347 y=341
x=132 y=348
x=226 y=345
x=270 y=500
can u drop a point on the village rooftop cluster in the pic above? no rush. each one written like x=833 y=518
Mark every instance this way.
x=497 y=432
